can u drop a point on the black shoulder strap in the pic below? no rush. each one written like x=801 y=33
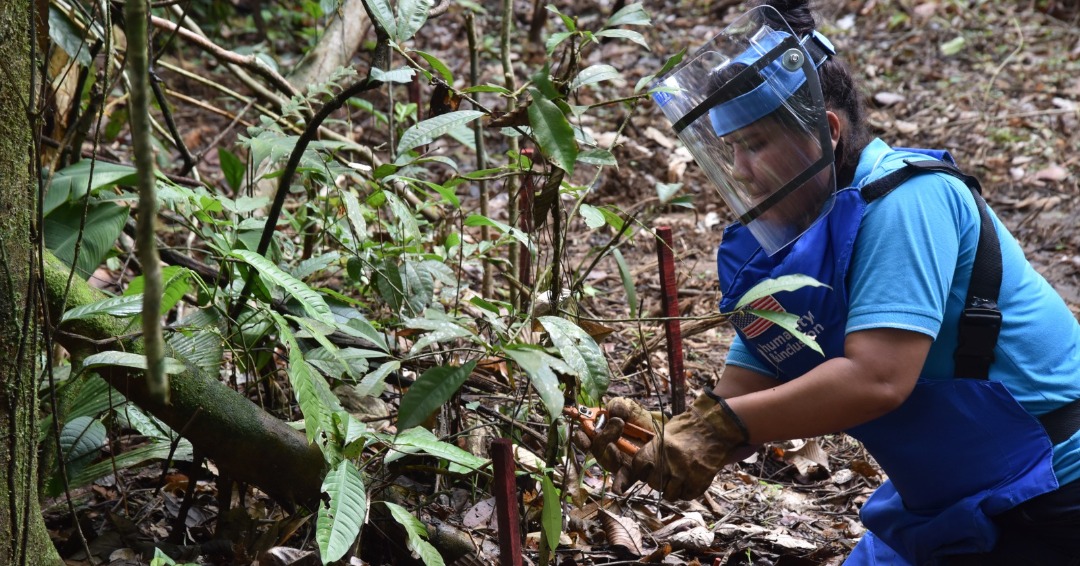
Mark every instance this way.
x=981 y=321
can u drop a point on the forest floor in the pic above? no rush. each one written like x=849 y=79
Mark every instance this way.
x=1005 y=99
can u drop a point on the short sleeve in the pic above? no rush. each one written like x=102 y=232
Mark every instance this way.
x=739 y=355
x=906 y=255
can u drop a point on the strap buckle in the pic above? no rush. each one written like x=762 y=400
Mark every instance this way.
x=979 y=327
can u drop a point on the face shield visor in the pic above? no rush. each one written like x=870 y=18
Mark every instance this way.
x=749 y=108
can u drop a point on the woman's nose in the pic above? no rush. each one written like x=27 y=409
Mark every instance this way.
x=742 y=171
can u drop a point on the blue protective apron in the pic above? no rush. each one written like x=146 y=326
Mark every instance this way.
x=956 y=451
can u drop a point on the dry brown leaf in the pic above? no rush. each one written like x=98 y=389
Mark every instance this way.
x=622 y=532
x=1053 y=173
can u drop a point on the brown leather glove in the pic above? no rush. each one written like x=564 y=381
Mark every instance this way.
x=682 y=462
x=620 y=411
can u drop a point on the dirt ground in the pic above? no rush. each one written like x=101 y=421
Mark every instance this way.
x=997 y=83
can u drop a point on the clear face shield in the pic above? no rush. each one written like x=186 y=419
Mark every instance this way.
x=748 y=106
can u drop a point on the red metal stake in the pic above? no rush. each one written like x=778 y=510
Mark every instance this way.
x=506 y=509
x=670 y=301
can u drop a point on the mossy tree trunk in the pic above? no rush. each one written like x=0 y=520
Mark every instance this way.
x=24 y=539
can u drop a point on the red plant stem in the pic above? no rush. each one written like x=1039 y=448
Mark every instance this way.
x=525 y=220
x=670 y=301
x=506 y=509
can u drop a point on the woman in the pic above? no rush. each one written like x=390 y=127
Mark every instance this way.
x=944 y=352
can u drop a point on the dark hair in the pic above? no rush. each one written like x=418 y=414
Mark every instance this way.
x=838 y=88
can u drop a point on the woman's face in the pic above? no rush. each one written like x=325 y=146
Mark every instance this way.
x=766 y=156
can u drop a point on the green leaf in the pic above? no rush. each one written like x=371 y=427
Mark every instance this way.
x=311 y=301
x=477 y=220
x=537 y=366
x=437 y=65
x=65 y=34
x=384 y=16
x=104 y=222
x=432 y=390
x=953 y=46
x=627 y=281
x=667 y=190
x=417 y=533
x=555 y=39
x=624 y=34
x=81 y=437
x=73 y=181
x=594 y=74
x=312 y=265
x=789 y=322
x=176 y=282
x=372 y=384
x=388 y=281
x=567 y=20
x=771 y=286
x=669 y=65
x=233 y=168
x=411 y=16
x=630 y=15
x=488 y=88
x=317 y=402
x=403 y=75
x=580 y=352
x=420 y=439
x=341 y=518
x=425 y=132
x=199 y=341
x=155 y=451
x=597 y=157
x=551 y=514
x=438 y=331
x=125 y=306
x=355 y=217
x=128 y=360
x=403 y=213
x=553 y=133
x=592 y=215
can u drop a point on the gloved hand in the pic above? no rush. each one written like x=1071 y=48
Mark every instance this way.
x=682 y=461
x=620 y=412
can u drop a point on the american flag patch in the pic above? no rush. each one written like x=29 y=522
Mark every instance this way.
x=753 y=325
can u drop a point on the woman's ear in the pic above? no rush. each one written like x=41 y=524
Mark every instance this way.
x=835 y=126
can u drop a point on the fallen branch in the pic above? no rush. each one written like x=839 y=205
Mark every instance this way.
x=692 y=328
x=245 y=442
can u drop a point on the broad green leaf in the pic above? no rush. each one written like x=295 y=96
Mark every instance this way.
x=199 y=341
x=420 y=439
x=425 y=132
x=411 y=15
x=417 y=533
x=124 y=306
x=384 y=16
x=555 y=39
x=630 y=15
x=789 y=322
x=341 y=518
x=553 y=133
x=437 y=65
x=580 y=352
x=311 y=301
x=567 y=20
x=668 y=65
x=372 y=384
x=419 y=286
x=551 y=514
x=355 y=217
x=624 y=34
x=953 y=46
x=313 y=395
x=312 y=265
x=73 y=181
x=360 y=327
x=68 y=36
x=388 y=282
x=537 y=366
x=128 y=360
x=403 y=75
x=664 y=191
x=592 y=215
x=598 y=157
x=432 y=390
x=594 y=74
x=104 y=222
x=477 y=220
x=176 y=281
x=628 y=282
x=318 y=332
x=771 y=286
x=403 y=213
x=155 y=451
x=233 y=168
x=437 y=331
x=488 y=88
x=81 y=437
x=131 y=416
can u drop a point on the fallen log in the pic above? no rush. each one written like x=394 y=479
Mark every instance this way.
x=244 y=441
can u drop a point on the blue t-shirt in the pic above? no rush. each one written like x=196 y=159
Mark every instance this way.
x=910 y=270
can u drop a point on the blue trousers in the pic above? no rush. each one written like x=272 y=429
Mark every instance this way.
x=1044 y=531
